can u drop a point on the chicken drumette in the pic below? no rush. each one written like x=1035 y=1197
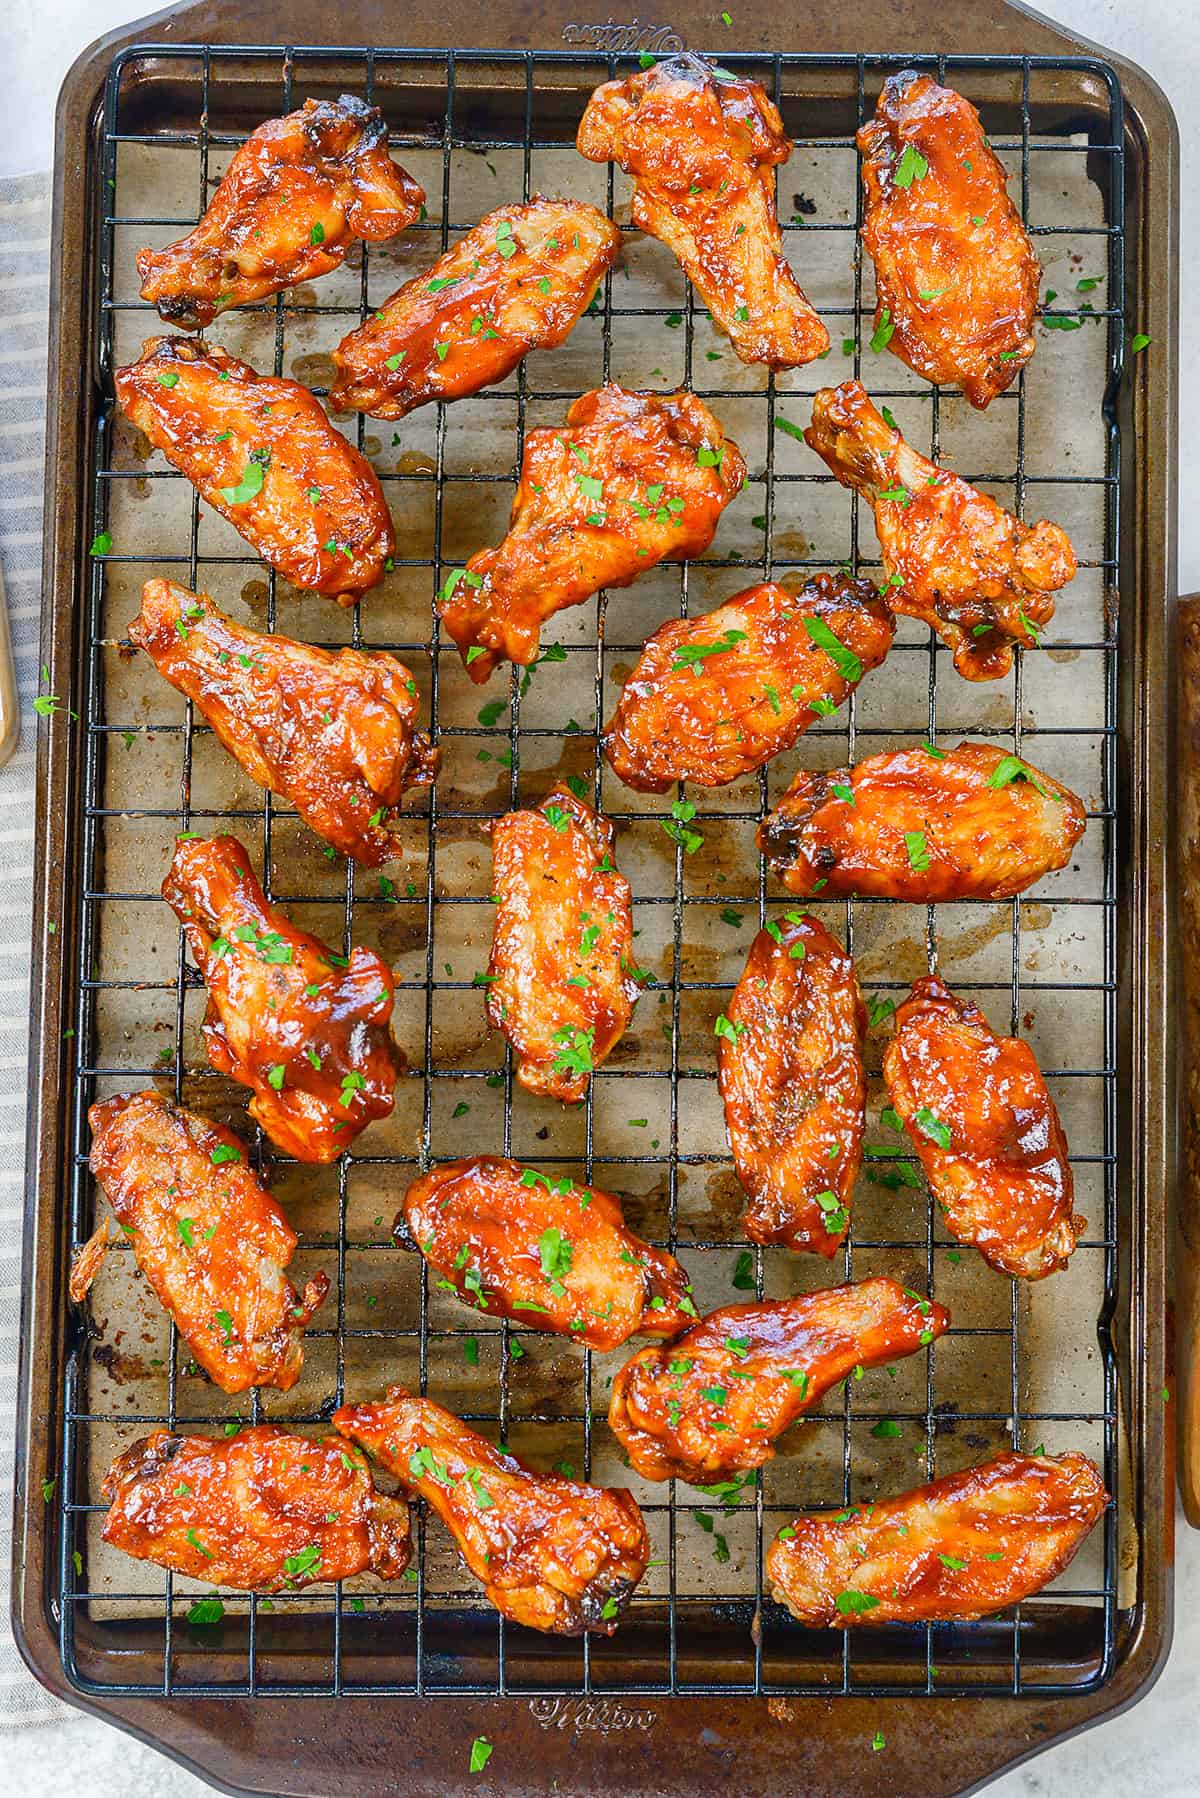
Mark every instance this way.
x=259 y=1511
x=713 y=698
x=924 y=825
x=262 y=453
x=546 y=1252
x=715 y=1400
x=631 y=478
x=962 y=1547
x=986 y=1130
x=518 y=282
x=793 y=1085
x=551 y=1553
x=296 y=195
x=702 y=147
x=956 y=279
x=979 y=576
x=305 y=1029
x=207 y=1235
x=333 y=733
x=561 y=981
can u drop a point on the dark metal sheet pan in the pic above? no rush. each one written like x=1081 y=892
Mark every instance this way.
x=632 y=1738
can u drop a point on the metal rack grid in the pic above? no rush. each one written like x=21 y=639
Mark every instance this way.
x=997 y=1656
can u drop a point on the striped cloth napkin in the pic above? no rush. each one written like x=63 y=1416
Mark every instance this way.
x=24 y=278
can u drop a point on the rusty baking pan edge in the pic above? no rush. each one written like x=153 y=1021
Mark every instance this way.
x=600 y=1745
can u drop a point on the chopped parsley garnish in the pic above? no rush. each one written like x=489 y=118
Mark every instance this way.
x=317 y=234
x=481 y=1753
x=911 y=167
x=682 y=813
x=224 y=1152
x=852 y=1604
x=1011 y=767
x=918 y=853
x=725 y=1027
x=251 y=481
x=692 y=655
x=556 y=1253
x=931 y=1126
x=574 y=1056
x=844 y=660
x=882 y=335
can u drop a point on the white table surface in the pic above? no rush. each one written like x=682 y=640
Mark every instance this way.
x=1152 y=1748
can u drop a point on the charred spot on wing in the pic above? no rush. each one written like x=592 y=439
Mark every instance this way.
x=602 y=1602
x=402 y=1236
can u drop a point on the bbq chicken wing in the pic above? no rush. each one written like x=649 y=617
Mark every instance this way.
x=305 y=1029
x=518 y=282
x=551 y=1553
x=955 y=273
x=207 y=1235
x=963 y=1547
x=793 y=1085
x=260 y=1511
x=922 y=825
x=702 y=147
x=986 y=1131
x=632 y=477
x=714 y=1401
x=334 y=734
x=262 y=453
x=980 y=577
x=291 y=203
x=548 y=1253
x=561 y=985
x=713 y=698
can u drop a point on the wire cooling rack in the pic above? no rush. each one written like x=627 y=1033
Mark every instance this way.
x=1019 y=1366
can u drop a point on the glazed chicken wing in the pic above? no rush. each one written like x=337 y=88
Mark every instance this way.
x=986 y=1131
x=207 y=1235
x=334 y=734
x=956 y=278
x=518 y=282
x=548 y=1253
x=551 y=1553
x=702 y=147
x=962 y=1547
x=923 y=825
x=560 y=978
x=715 y=1400
x=262 y=453
x=296 y=195
x=632 y=477
x=305 y=1029
x=792 y=1081
x=713 y=698
x=980 y=577
x=260 y=1511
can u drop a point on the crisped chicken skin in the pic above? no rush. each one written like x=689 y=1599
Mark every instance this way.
x=979 y=576
x=260 y=1511
x=966 y=823
x=631 y=478
x=793 y=1085
x=986 y=1131
x=551 y=1553
x=546 y=1252
x=518 y=282
x=965 y=1546
x=702 y=147
x=333 y=733
x=560 y=977
x=955 y=272
x=713 y=698
x=716 y=1399
x=296 y=195
x=306 y=1030
x=207 y=1235
x=262 y=453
